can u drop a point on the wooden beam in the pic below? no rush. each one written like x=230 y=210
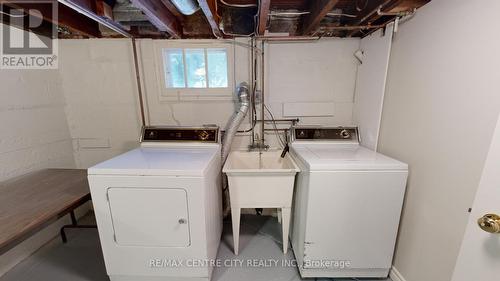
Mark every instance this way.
x=263 y=16
x=393 y=6
x=209 y=9
x=45 y=29
x=103 y=9
x=318 y=11
x=66 y=17
x=171 y=7
x=160 y=16
x=368 y=14
x=88 y=8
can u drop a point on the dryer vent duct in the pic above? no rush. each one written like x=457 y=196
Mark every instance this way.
x=186 y=7
x=234 y=123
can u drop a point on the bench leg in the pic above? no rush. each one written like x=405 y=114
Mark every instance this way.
x=74 y=224
x=63 y=235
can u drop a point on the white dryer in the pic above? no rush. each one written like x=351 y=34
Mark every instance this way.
x=158 y=207
x=347 y=204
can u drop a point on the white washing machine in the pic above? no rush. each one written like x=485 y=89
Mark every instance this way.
x=158 y=207
x=347 y=205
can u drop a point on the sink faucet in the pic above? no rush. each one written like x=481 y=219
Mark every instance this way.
x=258 y=145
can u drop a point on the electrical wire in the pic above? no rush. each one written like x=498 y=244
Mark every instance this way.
x=333 y=14
x=238 y=5
x=281 y=141
x=358 y=8
x=13 y=16
x=289 y=13
x=254 y=87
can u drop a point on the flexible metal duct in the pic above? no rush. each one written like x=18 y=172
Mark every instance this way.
x=244 y=98
x=186 y=7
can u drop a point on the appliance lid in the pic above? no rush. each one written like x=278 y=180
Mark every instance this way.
x=328 y=156
x=172 y=160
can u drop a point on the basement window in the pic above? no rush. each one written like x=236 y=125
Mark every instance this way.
x=196 y=72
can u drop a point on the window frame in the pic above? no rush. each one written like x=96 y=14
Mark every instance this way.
x=189 y=94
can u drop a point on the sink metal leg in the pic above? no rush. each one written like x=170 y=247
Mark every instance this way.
x=285 y=224
x=235 y=216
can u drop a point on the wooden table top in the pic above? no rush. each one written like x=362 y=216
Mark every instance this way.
x=30 y=201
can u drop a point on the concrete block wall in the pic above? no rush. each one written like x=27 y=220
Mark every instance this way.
x=98 y=82
x=99 y=85
x=34 y=136
x=34 y=131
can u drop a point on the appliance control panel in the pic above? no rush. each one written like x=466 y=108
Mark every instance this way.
x=345 y=134
x=209 y=134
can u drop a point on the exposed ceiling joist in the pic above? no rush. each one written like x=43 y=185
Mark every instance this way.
x=367 y=15
x=208 y=8
x=223 y=18
x=88 y=9
x=76 y=22
x=66 y=17
x=160 y=16
x=172 y=9
x=263 y=16
x=372 y=16
x=319 y=9
x=44 y=29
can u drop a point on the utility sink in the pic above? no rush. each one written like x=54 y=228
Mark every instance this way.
x=255 y=162
x=260 y=180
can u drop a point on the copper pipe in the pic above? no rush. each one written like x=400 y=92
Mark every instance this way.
x=116 y=27
x=287 y=38
x=354 y=27
x=397 y=14
x=380 y=7
x=295 y=120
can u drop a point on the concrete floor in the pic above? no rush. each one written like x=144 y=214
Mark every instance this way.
x=81 y=258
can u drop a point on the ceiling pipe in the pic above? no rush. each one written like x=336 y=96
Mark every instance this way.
x=102 y=20
x=356 y=27
x=287 y=38
x=186 y=7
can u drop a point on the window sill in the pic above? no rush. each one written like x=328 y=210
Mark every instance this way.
x=191 y=98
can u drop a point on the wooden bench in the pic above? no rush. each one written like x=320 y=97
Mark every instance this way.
x=31 y=202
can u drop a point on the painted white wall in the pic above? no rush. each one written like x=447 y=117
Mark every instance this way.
x=34 y=131
x=98 y=81
x=440 y=110
x=34 y=136
x=308 y=73
x=370 y=85
x=99 y=86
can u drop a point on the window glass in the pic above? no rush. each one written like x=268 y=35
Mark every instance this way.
x=174 y=68
x=195 y=68
x=217 y=68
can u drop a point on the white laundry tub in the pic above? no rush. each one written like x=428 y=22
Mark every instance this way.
x=260 y=180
